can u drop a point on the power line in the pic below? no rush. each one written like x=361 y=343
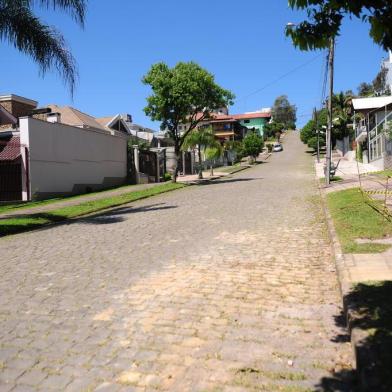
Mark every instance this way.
x=281 y=77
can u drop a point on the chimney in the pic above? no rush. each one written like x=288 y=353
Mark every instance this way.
x=16 y=105
x=53 y=117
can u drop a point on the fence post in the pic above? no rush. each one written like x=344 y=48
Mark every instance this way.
x=158 y=153
x=136 y=159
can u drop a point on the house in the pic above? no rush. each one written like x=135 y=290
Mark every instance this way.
x=387 y=64
x=227 y=128
x=57 y=151
x=255 y=121
x=372 y=116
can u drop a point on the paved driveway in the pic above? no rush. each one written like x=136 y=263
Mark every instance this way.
x=221 y=287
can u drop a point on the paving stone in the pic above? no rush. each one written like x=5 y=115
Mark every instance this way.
x=209 y=288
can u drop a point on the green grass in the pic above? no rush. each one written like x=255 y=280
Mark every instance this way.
x=32 y=221
x=19 y=206
x=230 y=169
x=384 y=173
x=355 y=219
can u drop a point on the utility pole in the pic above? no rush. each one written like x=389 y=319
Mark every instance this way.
x=331 y=62
x=318 y=134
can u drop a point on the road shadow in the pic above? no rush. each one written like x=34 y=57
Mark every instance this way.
x=45 y=221
x=370 y=310
x=227 y=181
x=119 y=214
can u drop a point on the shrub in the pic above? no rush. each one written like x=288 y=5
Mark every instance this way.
x=167 y=177
x=252 y=144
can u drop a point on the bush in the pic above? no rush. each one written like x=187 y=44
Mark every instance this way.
x=167 y=177
x=312 y=142
x=252 y=144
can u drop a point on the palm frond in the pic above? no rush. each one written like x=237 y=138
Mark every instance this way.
x=21 y=28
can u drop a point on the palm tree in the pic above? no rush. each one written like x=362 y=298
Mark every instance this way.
x=213 y=152
x=20 y=27
x=200 y=138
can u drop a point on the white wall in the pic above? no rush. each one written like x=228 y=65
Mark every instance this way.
x=65 y=159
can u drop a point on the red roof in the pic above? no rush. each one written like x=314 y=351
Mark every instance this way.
x=10 y=150
x=246 y=116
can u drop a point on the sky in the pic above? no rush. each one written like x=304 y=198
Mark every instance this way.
x=241 y=42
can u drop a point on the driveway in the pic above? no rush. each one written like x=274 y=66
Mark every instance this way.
x=228 y=286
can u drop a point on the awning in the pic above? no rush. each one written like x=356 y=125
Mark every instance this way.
x=371 y=103
x=10 y=150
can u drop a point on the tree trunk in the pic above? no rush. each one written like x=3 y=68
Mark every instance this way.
x=212 y=170
x=200 y=165
x=177 y=153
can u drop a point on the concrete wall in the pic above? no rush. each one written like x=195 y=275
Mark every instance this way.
x=70 y=160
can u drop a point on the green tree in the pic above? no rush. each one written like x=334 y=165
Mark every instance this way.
x=252 y=144
x=326 y=17
x=273 y=128
x=20 y=27
x=184 y=94
x=365 y=90
x=200 y=138
x=213 y=152
x=283 y=112
x=342 y=116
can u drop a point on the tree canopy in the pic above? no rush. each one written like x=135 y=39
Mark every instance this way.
x=29 y=34
x=325 y=18
x=252 y=144
x=284 y=113
x=185 y=94
x=379 y=86
x=342 y=118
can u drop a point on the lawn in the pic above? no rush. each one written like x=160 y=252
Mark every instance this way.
x=32 y=221
x=384 y=173
x=20 y=206
x=354 y=219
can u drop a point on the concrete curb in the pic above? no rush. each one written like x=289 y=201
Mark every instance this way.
x=363 y=356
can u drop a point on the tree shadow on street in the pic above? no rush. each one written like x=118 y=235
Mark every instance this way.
x=119 y=214
x=227 y=181
x=370 y=312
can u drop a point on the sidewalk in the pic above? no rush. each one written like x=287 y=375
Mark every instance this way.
x=219 y=172
x=346 y=169
x=72 y=201
x=365 y=282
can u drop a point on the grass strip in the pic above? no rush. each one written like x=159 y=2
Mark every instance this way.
x=354 y=219
x=22 y=205
x=32 y=221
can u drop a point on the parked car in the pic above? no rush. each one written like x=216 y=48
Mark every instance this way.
x=277 y=147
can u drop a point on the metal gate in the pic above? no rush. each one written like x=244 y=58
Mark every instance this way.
x=148 y=164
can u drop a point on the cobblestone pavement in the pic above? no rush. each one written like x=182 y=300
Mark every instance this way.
x=221 y=287
x=72 y=201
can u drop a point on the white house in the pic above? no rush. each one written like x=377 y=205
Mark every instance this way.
x=374 y=116
x=58 y=151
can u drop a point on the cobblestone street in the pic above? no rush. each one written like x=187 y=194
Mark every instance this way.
x=227 y=286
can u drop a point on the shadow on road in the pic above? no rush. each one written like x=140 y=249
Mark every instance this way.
x=118 y=215
x=371 y=315
x=227 y=181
